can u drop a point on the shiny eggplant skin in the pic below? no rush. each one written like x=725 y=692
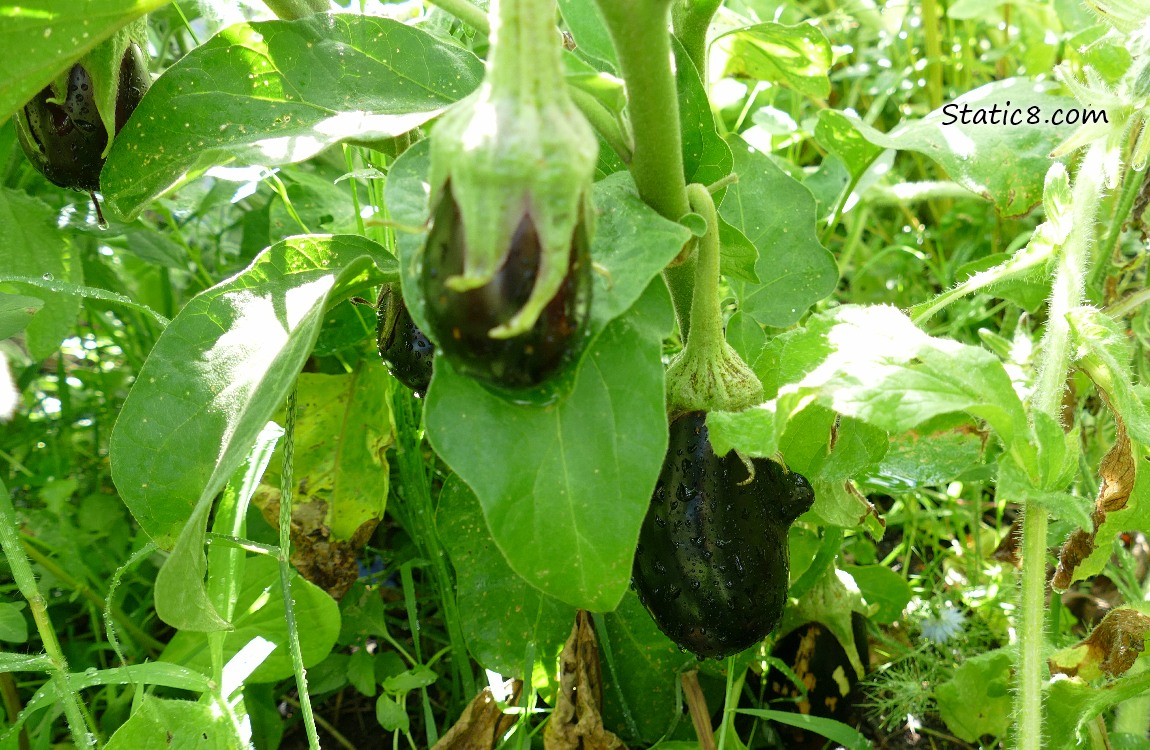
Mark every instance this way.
x=66 y=142
x=405 y=349
x=461 y=321
x=712 y=563
x=817 y=658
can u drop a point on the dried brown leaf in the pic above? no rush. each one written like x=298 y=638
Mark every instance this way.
x=576 y=723
x=1009 y=549
x=329 y=563
x=482 y=724
x=1117 y=473
x=1110 y=649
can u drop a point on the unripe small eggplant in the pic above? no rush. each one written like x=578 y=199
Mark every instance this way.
x=712 y=564
x=506 y=269
x=462 y=321
x=405 y=349
x=66 y=141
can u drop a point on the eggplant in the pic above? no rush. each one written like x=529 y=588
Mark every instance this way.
x=405 y=349
x=66 y=141
x=712 y=563
x=461 y=323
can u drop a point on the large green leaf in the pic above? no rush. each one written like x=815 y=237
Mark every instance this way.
x=873 y=364
x=158 y=724
x=796 y=56
x=1006 y=164
x=342 y=432
x=777 y=214
x=211 y=383
x=1071 y=703
x=279 y=92
x=33 y=247
x=591 y=35
x=564 y=481
x=39 y=39
x=706 y=156
x=640 y=682
x=260 y=609
x=565 y=484
x=501 y=612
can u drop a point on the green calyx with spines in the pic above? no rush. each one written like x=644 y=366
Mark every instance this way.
x=708 y=375
x=518 y=147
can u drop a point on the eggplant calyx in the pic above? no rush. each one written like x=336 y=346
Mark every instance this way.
x=709 y=375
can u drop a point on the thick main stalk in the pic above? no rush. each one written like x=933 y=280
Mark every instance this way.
x=1067 y=294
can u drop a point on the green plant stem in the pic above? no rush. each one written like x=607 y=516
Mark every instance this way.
x=604 y=123
x=85 y=591
x=691 y=19
x=1131 y=185
x=706 y=331
x=930 y=27
x=21 y=568
x=284 y=558
x=421 y=515
x=638 y=30
x=525 y=49
x=1068 y=292
x=290 y=10
x=1129 y=304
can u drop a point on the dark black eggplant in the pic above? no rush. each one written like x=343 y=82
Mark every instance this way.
x=712 y=563
x=405 y=349
x=820 y=661
x=66 y=142
x=461 y=322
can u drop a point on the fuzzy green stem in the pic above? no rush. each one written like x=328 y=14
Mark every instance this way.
x=604 y=123
x=706 y=332
x=26 y=581
x=525 y=57
x=1067 y=293
x=284 y=558
x=638 y=31
x=1131 y=186
x=290 y=10
x=691 y=19
x=708 y=375
x=85 y=591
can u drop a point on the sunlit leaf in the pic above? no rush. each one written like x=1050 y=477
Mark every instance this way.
x=290 y=89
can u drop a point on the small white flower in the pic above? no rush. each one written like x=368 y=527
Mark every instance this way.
x=944 y=625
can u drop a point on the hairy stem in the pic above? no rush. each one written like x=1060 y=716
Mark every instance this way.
x=26 y=581
x=1068 y=292
x=691 y=19
x=287 y=482
x=639 y=32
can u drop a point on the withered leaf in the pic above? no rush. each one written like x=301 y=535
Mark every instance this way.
x=1110 y=649
x=576 y=723
x=482 y=724
x=1117 y=473
x=325 y=561
x=1008 y=550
